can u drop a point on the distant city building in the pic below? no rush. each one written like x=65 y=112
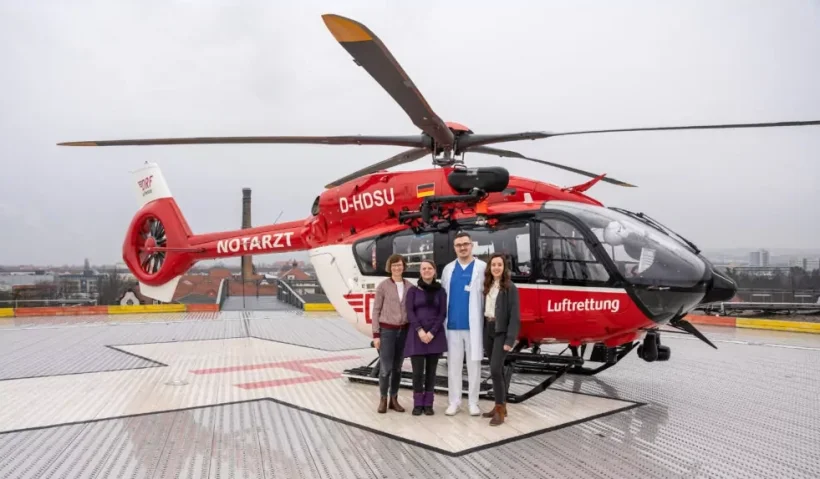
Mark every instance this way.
x=79 y=285
x=807 y=264
x=129 y=298
x=761 y=271
x=9 y=281
x=759 y=258
x=290 y=274
x=754 y=258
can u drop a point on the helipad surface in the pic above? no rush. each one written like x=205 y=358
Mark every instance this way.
x=238 y=394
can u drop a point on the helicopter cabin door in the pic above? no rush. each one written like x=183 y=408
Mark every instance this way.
x=370 y=260
x=569 y=275
x=514 y=238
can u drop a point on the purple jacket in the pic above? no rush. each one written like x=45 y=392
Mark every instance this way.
x=429 y=317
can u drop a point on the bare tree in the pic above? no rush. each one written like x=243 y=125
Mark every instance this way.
x=110 y=286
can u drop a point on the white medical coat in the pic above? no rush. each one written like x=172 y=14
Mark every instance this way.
x=476 y=352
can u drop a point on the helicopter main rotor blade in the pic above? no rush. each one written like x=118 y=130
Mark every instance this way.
x=512 y=154
x=471 y=141
x=370 y=53
x=476 y=140
x=405 y=140
x=696 y=127
x=406 y=156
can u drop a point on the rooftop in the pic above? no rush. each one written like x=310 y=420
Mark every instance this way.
x=259 y=394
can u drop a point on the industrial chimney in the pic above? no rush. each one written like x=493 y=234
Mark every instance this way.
x=247 y=264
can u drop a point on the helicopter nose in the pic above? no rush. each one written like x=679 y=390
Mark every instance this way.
x=723 y=288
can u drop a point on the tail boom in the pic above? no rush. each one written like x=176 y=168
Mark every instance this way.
x=159 y=254
x=281 y=238
x=159 y=246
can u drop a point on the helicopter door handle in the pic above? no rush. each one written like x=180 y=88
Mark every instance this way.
x=543 y=281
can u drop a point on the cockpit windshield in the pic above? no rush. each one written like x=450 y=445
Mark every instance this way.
x=643 y=217
x=643 y=254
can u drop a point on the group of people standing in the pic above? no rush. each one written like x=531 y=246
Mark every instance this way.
x=473 y=309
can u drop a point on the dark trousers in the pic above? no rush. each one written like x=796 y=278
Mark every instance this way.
x=494 y=346
x=391 y=357
x=424 y=372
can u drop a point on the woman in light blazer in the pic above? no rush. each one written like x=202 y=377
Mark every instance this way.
x=390 y=328
x=502 y=322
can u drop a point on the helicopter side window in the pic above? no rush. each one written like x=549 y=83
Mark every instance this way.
x=414 y=248
x=371 y=254
x=365 y=253
x=565 y=255
x=513 y=240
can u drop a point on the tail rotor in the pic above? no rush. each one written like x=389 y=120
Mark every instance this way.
x=152 y=237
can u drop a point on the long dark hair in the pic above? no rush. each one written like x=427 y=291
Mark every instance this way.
x=430 y=289
x=505 y=275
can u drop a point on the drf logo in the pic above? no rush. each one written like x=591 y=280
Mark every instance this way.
x=145 y=183
x=362 y=303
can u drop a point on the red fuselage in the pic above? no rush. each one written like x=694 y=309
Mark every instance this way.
x=579 y=309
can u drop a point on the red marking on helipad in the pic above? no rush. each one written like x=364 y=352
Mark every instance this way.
x=299 y=365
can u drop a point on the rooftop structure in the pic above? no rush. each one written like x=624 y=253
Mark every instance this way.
x=260 y=394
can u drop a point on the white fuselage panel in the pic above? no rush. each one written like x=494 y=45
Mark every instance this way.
x=349 y=291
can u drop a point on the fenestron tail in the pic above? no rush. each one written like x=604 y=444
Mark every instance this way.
x=157 y=228
x=159 y=246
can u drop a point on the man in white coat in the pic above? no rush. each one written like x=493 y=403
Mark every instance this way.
x=463 y=279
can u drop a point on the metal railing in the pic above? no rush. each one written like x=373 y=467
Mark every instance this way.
x=287 y=295
x=28 y=303
x=222 y=293
x=310 y=286
x=294 y=292
x=778 y=296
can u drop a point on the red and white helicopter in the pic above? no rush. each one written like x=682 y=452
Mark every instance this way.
x=588 y=274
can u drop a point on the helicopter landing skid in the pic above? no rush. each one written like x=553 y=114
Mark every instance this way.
x=549 y=366
x=552 y=366
x=600 y=354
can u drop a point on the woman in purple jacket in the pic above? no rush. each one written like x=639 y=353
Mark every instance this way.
x=426 y=309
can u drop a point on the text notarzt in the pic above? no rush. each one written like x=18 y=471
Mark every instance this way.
x=254 y=243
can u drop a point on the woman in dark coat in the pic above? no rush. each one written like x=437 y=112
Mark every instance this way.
x=502 y=317
x=426 y=341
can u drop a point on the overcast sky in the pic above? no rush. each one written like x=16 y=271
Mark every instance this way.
x=130 y=69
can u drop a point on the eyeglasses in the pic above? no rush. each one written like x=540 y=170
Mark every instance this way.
x=463 y=245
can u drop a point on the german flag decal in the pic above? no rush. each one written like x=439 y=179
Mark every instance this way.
x=427 y=189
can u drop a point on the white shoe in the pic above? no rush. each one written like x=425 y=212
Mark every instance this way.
x=474 y=410
x=452 y=410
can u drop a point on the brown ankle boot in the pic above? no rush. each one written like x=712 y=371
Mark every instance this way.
x=489 y=413
x=394 y=404
x=383 y=405
x=498 y=416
